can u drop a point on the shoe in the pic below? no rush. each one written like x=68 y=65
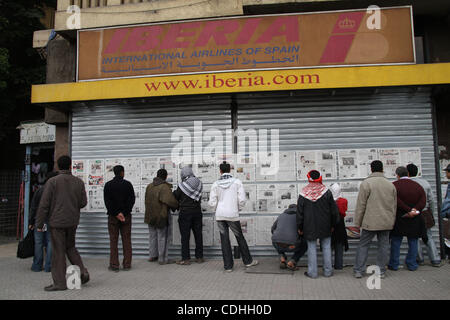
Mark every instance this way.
x=183 y=262
x=153 y=259
x=53 y=288
x=357 y=275
x=126 y=268
x=254 y=263
x=438 y=265
x=421 y=262
x=391 y=268
x=85 y=278
x=292 y=267
x=228 y=270
x=283 y=265
x=200 y=260
x=307 y=274
x=115 y=269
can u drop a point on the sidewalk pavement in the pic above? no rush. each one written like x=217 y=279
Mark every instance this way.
x=149 y=280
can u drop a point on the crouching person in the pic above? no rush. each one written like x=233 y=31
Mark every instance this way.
x=286 y=239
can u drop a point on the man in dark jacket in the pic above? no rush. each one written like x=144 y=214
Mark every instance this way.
x=285 y=238
x=41 y=238
x=63 y=197
x=317 y=215
x=188 y=195
x=119 y=201
x=411 y=200
x=158 y=201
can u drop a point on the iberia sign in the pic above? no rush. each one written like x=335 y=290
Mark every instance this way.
x=339 y=38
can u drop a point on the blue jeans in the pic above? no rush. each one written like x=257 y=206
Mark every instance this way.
x=41 y=240
x=312 y=257
x=410 y=261
x=432 y=251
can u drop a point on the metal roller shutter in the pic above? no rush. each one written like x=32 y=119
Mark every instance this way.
x=118 y=129
x=344 y=119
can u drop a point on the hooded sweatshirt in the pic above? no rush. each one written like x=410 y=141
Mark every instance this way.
x=227 y=197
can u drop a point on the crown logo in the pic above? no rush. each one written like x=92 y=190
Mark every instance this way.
x=347 y=23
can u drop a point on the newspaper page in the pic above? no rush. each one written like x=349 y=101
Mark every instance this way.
x=137 y=208
x=245 y=167
x=275 y=198
x=171 y=167
x=109 y=166
x=96 y=172
x=324 y=161
x=95 y=199
x=205 y=199
x=149 y=167
x=263 y=230
x=391 y=161
x=355 y=163
x=79 y=169
x=250 y=195
x=132 y=168
x=142 y=189
x=350 y=191
x=280 y=169
x=411 y=155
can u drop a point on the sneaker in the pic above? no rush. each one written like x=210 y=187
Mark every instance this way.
x=115 y=269
x=254 y=263
x=391 y=268
x=53 y=288
x=357 y=275
x=154 y=259
x=307 y=275
x=228 y=270
x=438 y=264
x=170 y=261
x=200 y=260
x=421 y=262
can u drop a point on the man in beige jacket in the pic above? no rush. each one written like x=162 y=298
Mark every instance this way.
x=375 y=215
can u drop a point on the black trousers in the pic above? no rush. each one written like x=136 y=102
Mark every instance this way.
x=188 y=222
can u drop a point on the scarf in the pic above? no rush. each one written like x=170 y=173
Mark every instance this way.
x=190 y=184
x=314 y=190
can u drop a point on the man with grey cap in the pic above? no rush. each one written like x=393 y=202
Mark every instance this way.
x=188 y=195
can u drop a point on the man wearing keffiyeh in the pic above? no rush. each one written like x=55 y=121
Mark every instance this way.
x=188 y=195
x=317 y=215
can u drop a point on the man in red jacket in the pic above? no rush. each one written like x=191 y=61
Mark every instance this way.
x=411 y=200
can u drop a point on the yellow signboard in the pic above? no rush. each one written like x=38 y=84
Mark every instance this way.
x=229 y=82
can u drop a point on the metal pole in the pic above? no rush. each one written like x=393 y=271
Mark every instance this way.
x=27 y=189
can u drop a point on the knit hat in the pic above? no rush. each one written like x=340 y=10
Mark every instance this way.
x=314 y=176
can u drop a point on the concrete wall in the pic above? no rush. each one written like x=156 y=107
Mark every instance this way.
x=163 y=10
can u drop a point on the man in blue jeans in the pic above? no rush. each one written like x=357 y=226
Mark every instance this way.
x=41 y=238
x=411 y=200
x=317 y=215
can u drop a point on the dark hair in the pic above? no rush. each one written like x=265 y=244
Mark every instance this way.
x=118 y=170
x=225 y=167
x=162 y=173
x=401 y=172
x=292 y=205
x=412 y=169
x=50 y=174
x=376 y=166
x=64 y=163
x=314 y=174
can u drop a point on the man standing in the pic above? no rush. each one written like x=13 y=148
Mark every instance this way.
x=317 y=215
x=188 y=195
x=427 y=215
x=63 y=197
x=119 y=201
x=158 y=201
x=411 y=199
x=41 y=239
x=445 y=214
x=375 y=216
x=227 y=197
